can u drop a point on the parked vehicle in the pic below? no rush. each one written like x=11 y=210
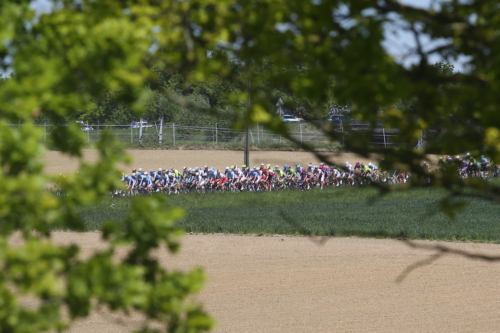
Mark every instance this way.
x=290 y=118
x=85 y=127
x=136 y=124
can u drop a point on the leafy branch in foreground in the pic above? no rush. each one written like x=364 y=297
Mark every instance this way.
x=60 y=61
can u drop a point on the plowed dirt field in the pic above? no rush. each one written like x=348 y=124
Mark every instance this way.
x=290 y=284
x=154 y=159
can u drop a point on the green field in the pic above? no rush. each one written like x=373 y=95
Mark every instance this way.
x=334 y=212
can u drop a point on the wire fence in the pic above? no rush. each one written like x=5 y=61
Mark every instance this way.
x=181 y=135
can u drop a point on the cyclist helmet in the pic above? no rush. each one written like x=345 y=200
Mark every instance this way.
x=160 y=170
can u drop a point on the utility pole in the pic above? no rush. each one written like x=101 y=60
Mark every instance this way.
x=246 y=159
x=247 y=146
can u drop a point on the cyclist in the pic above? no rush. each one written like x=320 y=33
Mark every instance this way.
x=320 y=176
x=484 y=164
x=335 y=174
x=131 y=182
x=221 y=182
x=198 y=181
x=372 y=166
x=146 y=183
x=185 y=172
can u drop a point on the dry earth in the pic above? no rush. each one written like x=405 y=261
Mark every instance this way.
x=153 y=159
x=290 y=284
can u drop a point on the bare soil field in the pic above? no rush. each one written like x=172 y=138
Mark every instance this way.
x=290 y=284
x=153 y=159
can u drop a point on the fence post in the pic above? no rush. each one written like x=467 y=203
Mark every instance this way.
x=131 y=133
x=258 y=134
x=173 y=132
x=140 y=130
x=300 y=125
x=45 y=131
x=342 y=130
x=216 y=138
x=383 y=132
x=160 y=135
x=88 y=136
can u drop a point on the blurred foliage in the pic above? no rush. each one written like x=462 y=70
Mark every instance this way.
x=80 y=56
x=203 y=60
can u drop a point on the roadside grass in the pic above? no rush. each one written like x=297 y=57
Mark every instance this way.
x=343 y=211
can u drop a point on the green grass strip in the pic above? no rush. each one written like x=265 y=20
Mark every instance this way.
x=334 y=212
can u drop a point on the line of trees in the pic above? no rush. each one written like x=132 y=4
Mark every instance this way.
x=213 y=94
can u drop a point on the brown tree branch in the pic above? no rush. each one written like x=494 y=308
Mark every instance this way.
x=440 y=250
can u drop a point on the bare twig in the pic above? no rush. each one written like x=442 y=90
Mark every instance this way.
x=440 y=250
x=416 y=265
